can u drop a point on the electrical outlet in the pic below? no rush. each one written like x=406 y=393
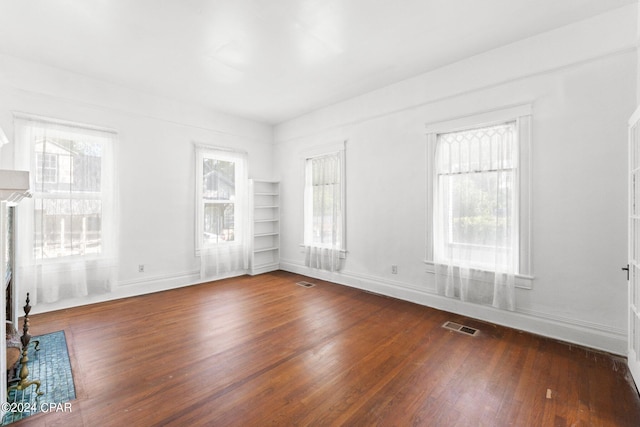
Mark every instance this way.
x=140 y=268
x=394 y=269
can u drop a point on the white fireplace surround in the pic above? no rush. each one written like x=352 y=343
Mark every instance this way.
x=14 y=185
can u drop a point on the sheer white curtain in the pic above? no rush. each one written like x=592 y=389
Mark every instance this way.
x=324 y=211
x=222 y=211
x=476 y=215
x=68 y=230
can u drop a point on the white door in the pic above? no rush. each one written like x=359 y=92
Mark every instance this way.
x=634 y=247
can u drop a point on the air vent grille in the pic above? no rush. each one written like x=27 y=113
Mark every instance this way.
x=453 y=326
x=305 y=284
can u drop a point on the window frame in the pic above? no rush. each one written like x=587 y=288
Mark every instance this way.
x=440 y=176
x=107 y=194
x=209 y=152
x=522 y=115
x=332 y=149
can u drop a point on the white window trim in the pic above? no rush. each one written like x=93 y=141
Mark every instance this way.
x=522 y=114
x=204 y=151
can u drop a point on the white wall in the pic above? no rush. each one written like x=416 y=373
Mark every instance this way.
x=581 y=82
x=155 y=160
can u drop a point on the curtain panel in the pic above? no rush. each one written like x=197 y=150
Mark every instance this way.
x=324 y=219
x=69 y=228
x=476 y=218
x=222 y=211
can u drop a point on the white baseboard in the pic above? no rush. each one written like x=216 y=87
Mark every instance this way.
x=153 y=281
x=131 y=288
x=261 y=269
x=599 y=337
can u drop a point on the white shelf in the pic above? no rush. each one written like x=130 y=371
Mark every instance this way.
x=265 y=233
x=273 y=248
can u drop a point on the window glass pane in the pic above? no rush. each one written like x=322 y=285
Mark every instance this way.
x=68 y=213
x=85 y=166
x=65 y=227
x=324 y=225
x=219 y=223
x=219 y=179
x=65 y=164
x=481 y=149
x=326 y=213
x=478 y=207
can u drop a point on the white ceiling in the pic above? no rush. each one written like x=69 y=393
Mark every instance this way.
x=270 y=60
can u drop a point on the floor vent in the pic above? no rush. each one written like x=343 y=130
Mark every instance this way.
x=460 y=328
x=305 y=284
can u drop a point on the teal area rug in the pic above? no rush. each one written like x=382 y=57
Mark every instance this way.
x=51 y=366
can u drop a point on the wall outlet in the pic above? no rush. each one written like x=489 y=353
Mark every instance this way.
x=394 y=269
x=140 y=268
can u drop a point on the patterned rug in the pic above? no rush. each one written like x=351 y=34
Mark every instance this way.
x=51 y=366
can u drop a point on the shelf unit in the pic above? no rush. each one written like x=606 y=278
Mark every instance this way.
x=265 y=230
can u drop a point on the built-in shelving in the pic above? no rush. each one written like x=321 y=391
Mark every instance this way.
x=265 y=230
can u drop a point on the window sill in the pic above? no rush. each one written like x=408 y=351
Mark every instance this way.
x=523 y=281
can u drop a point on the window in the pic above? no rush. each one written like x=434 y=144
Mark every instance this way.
x=478 y=187
x=219 y=205
x=71 y=194
x=323 y=201
x=478 y=239
x=324 y=210
x=69 y=226
x=218 y=200
x=222 y=209
x=477 y=210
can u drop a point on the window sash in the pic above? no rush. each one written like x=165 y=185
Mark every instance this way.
x=522 y=114
x=65 y=231
x=218 y=227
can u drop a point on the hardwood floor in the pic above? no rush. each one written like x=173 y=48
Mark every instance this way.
x=255 y=351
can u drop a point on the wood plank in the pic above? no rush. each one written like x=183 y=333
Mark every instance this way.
x=257 y=350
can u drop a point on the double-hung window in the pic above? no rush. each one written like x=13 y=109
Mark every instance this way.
x=221 y=206
x=70 y=225
x=218 y=201
x=73 y=188
x=477 y=209
x=479 y=204
x=324 y=217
